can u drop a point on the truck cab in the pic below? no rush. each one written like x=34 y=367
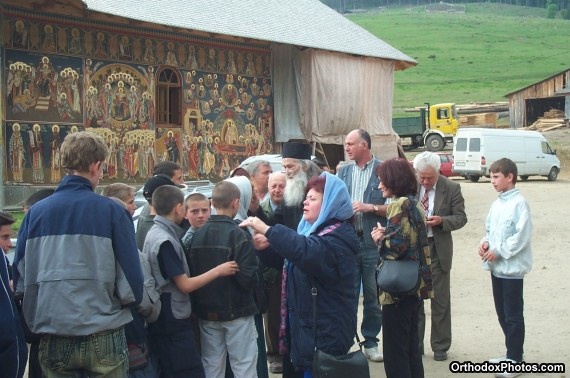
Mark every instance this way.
x=442 y=126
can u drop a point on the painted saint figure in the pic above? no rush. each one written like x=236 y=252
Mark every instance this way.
x=17 y=155
x=36 y=148
x=55 y=162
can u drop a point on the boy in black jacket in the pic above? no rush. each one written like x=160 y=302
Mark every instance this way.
x=226 y=307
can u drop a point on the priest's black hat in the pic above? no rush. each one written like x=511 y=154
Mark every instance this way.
x=296 y=150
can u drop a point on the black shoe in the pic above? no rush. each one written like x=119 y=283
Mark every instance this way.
x=440 y=355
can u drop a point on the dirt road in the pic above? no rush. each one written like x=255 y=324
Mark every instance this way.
x=476 y=332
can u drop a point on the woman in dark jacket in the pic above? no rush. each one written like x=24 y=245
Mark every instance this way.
x=321 y=253
x=404 y=238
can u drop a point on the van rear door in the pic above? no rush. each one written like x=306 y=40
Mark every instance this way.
x=467 y=154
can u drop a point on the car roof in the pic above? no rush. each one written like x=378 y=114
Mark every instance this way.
x=275 y=160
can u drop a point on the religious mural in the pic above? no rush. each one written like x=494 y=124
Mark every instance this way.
x=43 y=88
x=33 y=152
x=61 y=79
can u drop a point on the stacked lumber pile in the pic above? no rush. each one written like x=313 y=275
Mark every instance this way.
x=478 y=120
x=553 y=119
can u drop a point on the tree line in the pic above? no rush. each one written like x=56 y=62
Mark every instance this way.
x=349 y=5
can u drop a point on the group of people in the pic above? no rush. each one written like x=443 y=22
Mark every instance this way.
x=223 y=287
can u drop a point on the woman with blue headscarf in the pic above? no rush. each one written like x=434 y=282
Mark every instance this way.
x=322 y=254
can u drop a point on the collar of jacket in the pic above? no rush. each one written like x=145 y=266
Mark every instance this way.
x=170 y=225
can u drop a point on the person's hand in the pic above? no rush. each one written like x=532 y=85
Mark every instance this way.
x=483 y=247
x=377 y=233
x=361 y=206
x=489 y=256
x=260 y=242
x=227 y=269
x=434 y=220
x=256 y=224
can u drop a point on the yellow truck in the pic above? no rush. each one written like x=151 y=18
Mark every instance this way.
x=434 y=127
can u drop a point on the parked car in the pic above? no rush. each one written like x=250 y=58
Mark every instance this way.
x=200 y=186
x=275 y=160
x=189 y=187
x=446 y=168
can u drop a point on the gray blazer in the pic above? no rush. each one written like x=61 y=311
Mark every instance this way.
x=450 y=206
x=372 y=195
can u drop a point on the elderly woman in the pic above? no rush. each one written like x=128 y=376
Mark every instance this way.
x=321 y=253
x=404 y=238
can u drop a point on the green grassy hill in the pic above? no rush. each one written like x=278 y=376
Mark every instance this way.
x=476 y=56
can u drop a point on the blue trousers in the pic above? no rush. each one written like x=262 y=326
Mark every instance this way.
x=366 y=261
x=509 y=304
x=100 y=354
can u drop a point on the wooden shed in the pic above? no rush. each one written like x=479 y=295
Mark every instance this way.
x=528 y=104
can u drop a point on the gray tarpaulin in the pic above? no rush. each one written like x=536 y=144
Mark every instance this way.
x=321 y=96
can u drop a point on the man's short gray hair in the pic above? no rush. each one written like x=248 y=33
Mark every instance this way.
x=427 y=160
x=253 y=168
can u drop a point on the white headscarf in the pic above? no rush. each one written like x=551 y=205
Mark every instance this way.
x=244 y=186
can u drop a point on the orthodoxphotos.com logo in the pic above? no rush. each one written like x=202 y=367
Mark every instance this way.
x=506 y=366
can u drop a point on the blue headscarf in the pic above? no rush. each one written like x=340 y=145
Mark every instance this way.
x=336 y=205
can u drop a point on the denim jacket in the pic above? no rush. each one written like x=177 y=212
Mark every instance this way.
x=372 y=194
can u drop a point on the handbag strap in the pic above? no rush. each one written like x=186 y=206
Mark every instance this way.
x=314 y=300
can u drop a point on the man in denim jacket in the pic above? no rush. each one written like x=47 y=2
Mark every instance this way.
x=369 y=208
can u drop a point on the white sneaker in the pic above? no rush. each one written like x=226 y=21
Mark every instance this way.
x=497 y=360
x=373 y=354
x=506 y=374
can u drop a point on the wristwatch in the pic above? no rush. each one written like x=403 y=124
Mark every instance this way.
x=375 y=208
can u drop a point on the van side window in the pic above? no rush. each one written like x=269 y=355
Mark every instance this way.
x=474 y=145
x=461 y=144
x=546 y=148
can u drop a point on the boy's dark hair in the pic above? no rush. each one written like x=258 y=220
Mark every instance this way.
x=6 y=218
x=38 y=196
x=165 y=199
x=224 y=194
x=166 y=167
x=196 y=197
x=505 y=166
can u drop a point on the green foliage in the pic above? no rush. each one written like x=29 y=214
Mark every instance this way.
x=477 y=56
x=19 y=216
x=551 y=11
x=565 y=14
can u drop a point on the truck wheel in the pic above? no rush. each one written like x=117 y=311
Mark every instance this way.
x=435 y=143
x=524 y=178
x=474 y=178
x=553 y=174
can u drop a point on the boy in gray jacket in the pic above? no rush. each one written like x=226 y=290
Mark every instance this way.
x=171 y=335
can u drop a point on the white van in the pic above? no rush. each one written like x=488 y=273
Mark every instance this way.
x=475 y=149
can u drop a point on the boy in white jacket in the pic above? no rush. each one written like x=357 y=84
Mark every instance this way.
x=506 y=252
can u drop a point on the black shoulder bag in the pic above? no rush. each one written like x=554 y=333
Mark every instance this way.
x=353 y=364
x=400 y=278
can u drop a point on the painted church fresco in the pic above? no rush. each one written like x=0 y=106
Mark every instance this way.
x=60 y=78
x=33 y=151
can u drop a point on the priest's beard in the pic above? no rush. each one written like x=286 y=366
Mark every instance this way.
x=295 y=189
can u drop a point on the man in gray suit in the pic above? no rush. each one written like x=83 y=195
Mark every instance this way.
x=369 y=209
x=445 y=212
